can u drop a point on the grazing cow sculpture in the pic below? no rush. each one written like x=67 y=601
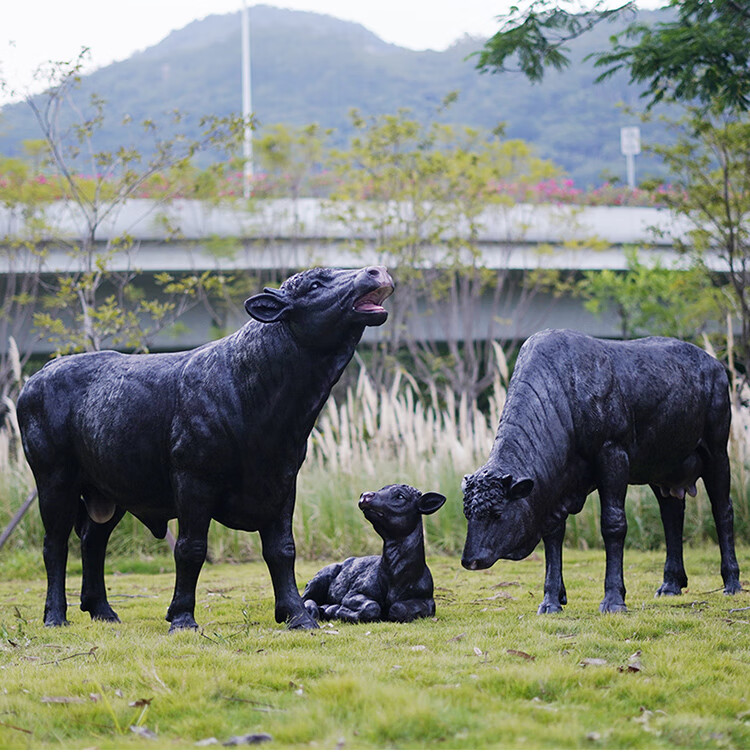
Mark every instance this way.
x=584 y=414
x=218 y=432
x=397 y=585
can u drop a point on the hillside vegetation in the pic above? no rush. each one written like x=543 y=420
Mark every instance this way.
x=308 y=68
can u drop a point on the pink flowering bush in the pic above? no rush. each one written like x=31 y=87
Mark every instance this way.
x=227 y=183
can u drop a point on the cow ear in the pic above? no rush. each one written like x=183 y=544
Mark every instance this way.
x=430 y=502
x=521 y=489
x=268 y=307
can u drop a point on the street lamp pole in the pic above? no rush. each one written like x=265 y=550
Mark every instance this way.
x=247 y=145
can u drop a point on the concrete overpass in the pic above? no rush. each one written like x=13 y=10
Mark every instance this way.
x=284 y=235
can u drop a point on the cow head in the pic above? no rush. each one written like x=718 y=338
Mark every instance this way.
x=502 y=522
x=323 y=305
x=396 y=510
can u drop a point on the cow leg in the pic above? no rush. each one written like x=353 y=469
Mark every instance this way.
x=717 y=480
x=94 y=537
x=59 y=501
x=673 y=517
x=195 y=504
x=612 y=467
x=554 y=588
x=279 y=554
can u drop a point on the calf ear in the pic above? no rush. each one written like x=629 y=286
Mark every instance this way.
x=268 y=307
x=430 y=502
x=521 y=489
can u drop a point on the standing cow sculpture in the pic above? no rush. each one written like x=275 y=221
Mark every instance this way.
x=219 y=432
x=584 y=414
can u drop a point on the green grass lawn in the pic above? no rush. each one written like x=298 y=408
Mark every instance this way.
x=486 y=672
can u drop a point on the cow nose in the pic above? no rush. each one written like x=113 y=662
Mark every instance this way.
x=470 y=564
x=366 y=498
x=379 y=274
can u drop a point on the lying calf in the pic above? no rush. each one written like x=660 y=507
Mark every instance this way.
x=397 y=585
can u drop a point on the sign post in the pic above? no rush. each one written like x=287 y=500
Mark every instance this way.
x=630 y=146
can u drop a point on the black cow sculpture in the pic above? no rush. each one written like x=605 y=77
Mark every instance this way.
x=218 y=432
x=395 y=586
x=584 y=414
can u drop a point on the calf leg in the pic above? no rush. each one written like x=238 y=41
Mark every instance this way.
x=554 y=588
x=315 y=594
x=411 y=609
x=672 y=512
x=94 y=537
x=355 y=607
x=317 y=588
x=716 y=478
x=612 y=473
x=279 y=554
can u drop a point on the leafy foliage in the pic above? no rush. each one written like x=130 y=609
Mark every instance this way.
x=654 y=299
x=703 y=55
x=421 y=191
x=533 y=36
x=309 y=68
x=711 y=164
x=99 y=304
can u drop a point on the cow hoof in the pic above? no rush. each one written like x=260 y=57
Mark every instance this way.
x=548 y=607
x=52 y=621
x=669 y=589
x=102 y=613
x=110 y=616
x=302 y=621
x=611 y=607
x=183 y=622
x=732 y=587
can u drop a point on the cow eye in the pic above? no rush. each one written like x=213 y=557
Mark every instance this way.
x=314 y=285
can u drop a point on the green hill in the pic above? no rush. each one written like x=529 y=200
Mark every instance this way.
x=308 y=67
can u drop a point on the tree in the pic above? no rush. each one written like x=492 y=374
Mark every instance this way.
x=422 y=191
x=698 y=58
x=711 y=165
x=291 y=158
x=651 y=299
x=701 y=54
x=533 y=35
x=23 y=253
x=98 y=303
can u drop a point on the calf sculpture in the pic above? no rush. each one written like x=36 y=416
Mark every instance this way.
x=395 y=586
x=584 y=414
x=218 y=432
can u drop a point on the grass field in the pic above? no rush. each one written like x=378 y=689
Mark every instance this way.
x=486 y=672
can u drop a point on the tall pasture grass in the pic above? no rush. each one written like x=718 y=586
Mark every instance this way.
x=373 y=436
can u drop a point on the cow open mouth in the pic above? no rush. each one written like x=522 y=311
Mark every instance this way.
x=373 y=300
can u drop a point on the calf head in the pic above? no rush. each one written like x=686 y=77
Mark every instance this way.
x=396 y=510
x=502 y=522
x=323 y=305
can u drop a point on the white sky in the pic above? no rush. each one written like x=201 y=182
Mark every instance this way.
x=35 y=31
